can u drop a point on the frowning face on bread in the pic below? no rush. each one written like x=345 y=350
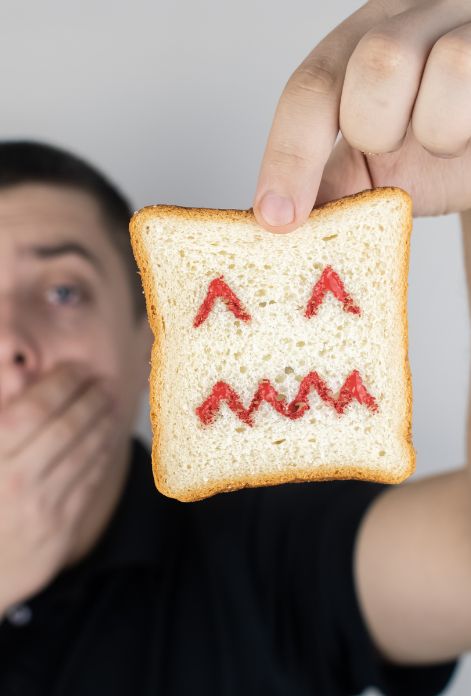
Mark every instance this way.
x=278 y=358
x=64 y=295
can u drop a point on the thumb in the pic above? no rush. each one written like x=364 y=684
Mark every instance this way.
x=346 y=172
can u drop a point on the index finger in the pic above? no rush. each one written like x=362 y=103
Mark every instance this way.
x=305 y=126
x=33 y=408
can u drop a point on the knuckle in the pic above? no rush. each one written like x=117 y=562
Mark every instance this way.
x=453 y=52
x=435 y=140
x=441 y=149
x=380 y=54
x=316 y=77
x=286 y=157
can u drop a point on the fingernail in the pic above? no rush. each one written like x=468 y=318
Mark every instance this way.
x=277 y=210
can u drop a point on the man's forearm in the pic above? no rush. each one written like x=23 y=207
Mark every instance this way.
x=413 y=557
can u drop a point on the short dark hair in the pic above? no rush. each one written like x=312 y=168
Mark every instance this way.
x=25 y=161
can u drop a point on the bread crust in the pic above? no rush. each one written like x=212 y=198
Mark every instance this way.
x=320 y=473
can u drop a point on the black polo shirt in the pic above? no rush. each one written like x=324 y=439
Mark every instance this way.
x=245 y=593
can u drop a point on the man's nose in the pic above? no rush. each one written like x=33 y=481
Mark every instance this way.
x=18 y=357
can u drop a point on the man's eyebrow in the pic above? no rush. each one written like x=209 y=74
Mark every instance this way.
x=64 y=248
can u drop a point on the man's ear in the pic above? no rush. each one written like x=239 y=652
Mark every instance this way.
x=144 y=339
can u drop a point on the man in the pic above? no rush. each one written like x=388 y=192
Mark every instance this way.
x=106 y=587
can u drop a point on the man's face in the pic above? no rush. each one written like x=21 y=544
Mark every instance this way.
x=64 y=295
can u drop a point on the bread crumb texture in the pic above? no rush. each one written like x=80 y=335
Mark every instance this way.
x=365 y=238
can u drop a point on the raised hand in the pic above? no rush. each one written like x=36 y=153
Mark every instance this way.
x=54 y=449
x=395 y=77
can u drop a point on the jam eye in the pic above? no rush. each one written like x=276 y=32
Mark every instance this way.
x=65 y=294
x=218 y=288
x=330 y=281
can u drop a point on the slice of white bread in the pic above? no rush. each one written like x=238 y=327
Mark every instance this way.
x=281 y=326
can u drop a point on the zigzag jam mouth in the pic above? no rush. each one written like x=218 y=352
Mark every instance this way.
x=352 y=388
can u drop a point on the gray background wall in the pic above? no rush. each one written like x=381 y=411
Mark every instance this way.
x=174 y=100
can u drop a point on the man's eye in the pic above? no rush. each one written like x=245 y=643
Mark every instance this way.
x=65 y=294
